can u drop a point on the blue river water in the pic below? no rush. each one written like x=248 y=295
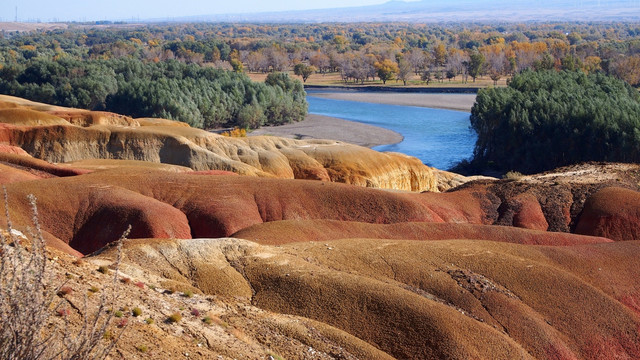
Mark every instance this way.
x=440 y=138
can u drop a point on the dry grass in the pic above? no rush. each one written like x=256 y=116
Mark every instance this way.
x=513 y=175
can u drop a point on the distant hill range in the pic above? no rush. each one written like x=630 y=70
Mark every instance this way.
x=452 y=11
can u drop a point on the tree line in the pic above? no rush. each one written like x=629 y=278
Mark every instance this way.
x=358 y=52
x=203 y=97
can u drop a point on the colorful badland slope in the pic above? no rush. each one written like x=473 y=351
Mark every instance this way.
x=490 y=269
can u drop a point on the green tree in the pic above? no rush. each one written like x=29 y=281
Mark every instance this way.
x=251 y=116
x=571 y=63
x=304 y=70
x=475 y=64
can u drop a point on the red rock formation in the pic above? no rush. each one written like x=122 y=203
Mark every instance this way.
x=613 y=213
x=217 y=206
x=88 y=215
x=529 y=214
x=212 y=172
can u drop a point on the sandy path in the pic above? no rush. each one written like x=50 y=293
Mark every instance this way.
x=461 y=102
x=324 y=127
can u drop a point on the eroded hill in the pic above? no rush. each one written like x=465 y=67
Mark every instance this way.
x=57 y=134
x=284 y=265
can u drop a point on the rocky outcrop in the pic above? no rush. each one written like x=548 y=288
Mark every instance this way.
x=27 y=117
x=85 y=118
x=554 y=201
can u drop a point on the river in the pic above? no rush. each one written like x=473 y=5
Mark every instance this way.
x=440 y=138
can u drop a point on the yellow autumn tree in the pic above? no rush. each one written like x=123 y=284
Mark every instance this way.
x=387 y=69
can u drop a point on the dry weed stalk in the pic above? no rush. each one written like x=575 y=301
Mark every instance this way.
x=28 y=302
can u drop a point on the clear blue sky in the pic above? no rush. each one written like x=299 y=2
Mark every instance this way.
x=87 y=10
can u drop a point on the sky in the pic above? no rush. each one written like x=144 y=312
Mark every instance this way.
x=90 y=10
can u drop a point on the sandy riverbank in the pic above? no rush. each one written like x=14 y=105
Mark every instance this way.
x=324 y=127
x=460 y=102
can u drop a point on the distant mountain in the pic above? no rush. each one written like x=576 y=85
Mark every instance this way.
x=452 y=11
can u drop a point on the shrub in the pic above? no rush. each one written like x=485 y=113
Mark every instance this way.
x=103 y=269
x=142 y=348
x=250 y=117
x=123 y=322
x=207 y=320
x=62 y=312
x=236 y=132
x=149 y=321
x=93 y=289
x=136 y=312
x=118 y=314
x=174 y=318
x=65 y=290
x=195 y=312
x=28 y=283
x=78 y=262
x=125 y=280
x=512 y=175
x=188 y=294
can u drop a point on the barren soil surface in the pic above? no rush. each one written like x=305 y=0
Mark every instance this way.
x=325 y=127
